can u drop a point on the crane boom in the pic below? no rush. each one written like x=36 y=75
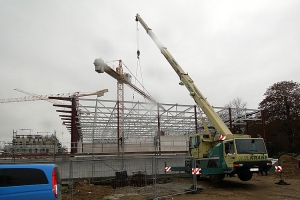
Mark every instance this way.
x=199 y=98
x=26 y=98
x=75 y=94
x=120 y=77
x=34 y=97
x=43 y=96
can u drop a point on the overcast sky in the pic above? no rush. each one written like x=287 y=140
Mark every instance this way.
x=229 y=48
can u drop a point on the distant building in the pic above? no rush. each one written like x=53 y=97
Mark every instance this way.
x=34 y=144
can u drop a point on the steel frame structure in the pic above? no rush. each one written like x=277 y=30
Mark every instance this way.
x=109 y=121
x=100 y=120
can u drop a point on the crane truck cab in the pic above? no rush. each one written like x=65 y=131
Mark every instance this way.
x=237 y=154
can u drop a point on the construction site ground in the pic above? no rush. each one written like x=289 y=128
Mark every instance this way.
x=259 y=187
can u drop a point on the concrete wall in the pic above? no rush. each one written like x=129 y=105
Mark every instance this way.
x=167 y=143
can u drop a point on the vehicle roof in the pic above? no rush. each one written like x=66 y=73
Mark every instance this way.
x=38 y=166
x=46 y=168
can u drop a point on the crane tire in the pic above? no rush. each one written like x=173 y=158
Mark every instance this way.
x=215 y=178
x=245 y=176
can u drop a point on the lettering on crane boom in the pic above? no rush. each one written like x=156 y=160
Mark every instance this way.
x=187 y=85
x=197 y=92
x=244 y=158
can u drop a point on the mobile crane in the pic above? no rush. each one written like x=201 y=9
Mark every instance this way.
x=222 y=153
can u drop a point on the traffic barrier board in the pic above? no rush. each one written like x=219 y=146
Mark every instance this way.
x=167 y=169
x=278 y=169
x=196 y=170
x=222 y=137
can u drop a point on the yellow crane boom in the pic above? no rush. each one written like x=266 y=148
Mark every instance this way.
x=186 y=80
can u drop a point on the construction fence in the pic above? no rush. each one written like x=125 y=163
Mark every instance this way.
x=153 y=173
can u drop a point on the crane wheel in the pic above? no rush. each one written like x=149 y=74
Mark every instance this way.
x=245 y=176
x=215 y=178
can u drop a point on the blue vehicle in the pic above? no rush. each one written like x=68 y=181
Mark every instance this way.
x=30 y=182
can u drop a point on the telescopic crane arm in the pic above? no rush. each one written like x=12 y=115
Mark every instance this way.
x=186 y=80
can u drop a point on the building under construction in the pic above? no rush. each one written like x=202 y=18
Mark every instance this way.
x=119 y=126
x=111 y=127
x=33 y=145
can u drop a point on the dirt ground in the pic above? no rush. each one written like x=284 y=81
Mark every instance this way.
x=259 y=187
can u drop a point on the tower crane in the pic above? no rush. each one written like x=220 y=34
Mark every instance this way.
x=75 y=94
x=73 y=97
x=121 y=77
x=34 y=97
x=52 y=97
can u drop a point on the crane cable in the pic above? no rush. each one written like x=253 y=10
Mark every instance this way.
x=137 y=40
x=136 y=80
x=138 y=65
x=137 y=52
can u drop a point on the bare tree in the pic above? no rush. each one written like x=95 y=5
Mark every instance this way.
x=237 y=105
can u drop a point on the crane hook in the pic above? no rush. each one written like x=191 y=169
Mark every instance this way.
x=138 y=54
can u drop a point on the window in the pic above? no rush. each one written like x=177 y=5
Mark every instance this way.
x=252 y=146
x=194 y=142
x=22 y=176
x=229 y=147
